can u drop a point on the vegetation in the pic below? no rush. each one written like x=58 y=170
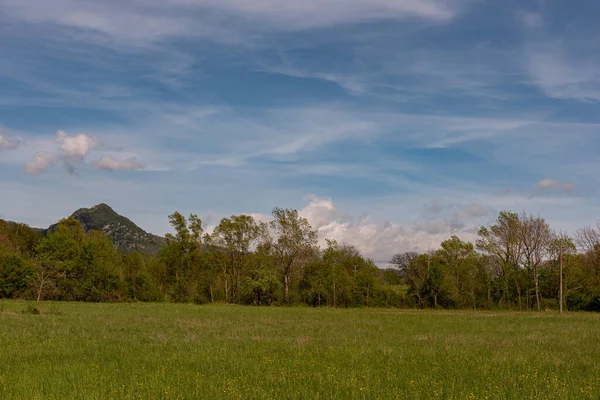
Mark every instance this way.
x=518 y=263
x=183 y=351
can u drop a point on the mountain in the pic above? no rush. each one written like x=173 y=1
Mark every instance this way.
x=126 y=235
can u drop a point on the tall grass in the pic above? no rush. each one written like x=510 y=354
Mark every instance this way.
x=170 y=351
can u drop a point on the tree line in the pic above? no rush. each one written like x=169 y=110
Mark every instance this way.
x=517 y=263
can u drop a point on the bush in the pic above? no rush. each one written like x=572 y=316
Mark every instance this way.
x=31 y=309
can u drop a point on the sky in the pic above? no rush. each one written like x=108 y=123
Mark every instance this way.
x=389 y=124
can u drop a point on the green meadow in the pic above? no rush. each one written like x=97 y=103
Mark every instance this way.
x=184 y=351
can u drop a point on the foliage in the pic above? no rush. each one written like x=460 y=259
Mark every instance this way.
x=515 y=264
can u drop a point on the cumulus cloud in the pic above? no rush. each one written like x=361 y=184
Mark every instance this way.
x=549 y=186
x=75 y=147
x=378 y=241
x=39 y=162
x=319 y=211
x=8 y=143
x=110 y=164
x=72 y=151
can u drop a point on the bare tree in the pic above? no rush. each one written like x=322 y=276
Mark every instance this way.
x=401 y=261
x=534 y=236
x=587 y=238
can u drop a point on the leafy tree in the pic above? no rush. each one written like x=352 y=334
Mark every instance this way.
x=231 y=243
x=182 y=256
x=292 y=245
x=501 y=244
x=460 y=258
x=15 y=275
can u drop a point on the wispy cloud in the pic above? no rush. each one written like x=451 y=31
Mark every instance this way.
x=110 y=164
x=563 y=65
x=550 y=186
x=154 y=20
x=559 y=76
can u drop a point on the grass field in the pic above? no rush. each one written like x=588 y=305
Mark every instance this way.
x=170 y=351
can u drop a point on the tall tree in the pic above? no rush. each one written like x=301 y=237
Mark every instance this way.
x=182 y=255
x=231 y=242
x=460 y=257
x=534 y=236
x=501 y=243
x=293 y=243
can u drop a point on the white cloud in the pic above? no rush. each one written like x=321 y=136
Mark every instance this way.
x=75 y=147
x=110 y=164
x=39 y=162
x=72 y=151
x=377 y=241
x=8 y=143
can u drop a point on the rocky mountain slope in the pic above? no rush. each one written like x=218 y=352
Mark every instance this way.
x=126 y=235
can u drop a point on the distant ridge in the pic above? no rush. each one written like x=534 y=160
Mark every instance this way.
x=125 y=234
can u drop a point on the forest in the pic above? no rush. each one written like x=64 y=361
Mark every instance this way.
x=517 y=263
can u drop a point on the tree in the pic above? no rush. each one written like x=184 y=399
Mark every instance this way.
x=562 y=252
x=59 y=264
x=182 y=255
x=416 y=274
x=15 y=274
x=501 y=243
x=587 y=238
x=460 y=257
x=292 y=244
x=231 y=242
x=534 y=237
x=401 y=261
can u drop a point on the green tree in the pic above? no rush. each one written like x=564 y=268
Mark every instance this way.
x=502 y=245
x=293 y=244
x=460 y=258
x=231 y=243
x=182 y=256
x=15 y=275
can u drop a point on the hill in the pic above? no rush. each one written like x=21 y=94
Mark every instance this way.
x=125 y=234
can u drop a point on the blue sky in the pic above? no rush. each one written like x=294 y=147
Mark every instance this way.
x=391 y=124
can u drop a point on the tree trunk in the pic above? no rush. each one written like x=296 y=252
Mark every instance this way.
x=39 y=296
x=560 y=291
x=334 y=298
x=286 y=284
x=537 y=289
x=519 y=294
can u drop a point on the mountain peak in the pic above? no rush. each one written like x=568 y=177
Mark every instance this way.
x=125 y=234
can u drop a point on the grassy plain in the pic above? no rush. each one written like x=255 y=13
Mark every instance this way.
x=171 y=351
